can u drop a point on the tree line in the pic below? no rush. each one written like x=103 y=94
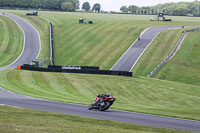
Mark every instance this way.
x=96 y=7
x=65 y=5
x=176 y=9
x=41 y=4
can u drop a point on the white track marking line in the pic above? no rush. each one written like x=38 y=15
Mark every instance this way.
x=143 y=51
x=24 y=38
x=23 y=45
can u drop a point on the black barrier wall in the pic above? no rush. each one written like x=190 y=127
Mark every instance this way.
x=41 y=69
x=51 y=45
x=75 y=67
x=103 y=72
x=84 y=71
x=32 y=14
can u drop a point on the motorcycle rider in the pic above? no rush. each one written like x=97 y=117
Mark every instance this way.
x=102 y=102
x=101 y=98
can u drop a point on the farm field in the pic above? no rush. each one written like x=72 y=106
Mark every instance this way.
x=11 y=41
x=24 y=120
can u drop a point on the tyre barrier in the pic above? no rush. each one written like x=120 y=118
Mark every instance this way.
x=91 y=70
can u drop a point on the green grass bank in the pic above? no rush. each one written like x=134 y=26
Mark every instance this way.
x=185 y=66
x=11 y=41
x=24 y=120
x=158 y=50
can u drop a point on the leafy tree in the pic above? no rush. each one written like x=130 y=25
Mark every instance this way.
x=67 y=6
x=181 y=8
x=86 y=6
x=76 y=3
x=96 y=7
x=145 y=10
x=124 y=9
x=133 y=8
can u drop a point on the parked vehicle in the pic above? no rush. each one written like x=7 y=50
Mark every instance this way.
x=102 y=102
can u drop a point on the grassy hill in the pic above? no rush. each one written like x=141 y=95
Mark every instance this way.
x=11 y=41
x=185 y=66
x=100 y=44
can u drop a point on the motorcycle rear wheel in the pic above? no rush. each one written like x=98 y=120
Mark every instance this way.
x=90 y=107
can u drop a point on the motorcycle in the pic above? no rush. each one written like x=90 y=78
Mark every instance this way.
x=102 y=102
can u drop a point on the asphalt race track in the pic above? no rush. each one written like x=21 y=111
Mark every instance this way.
x=31 y=52
x=17 y=100
x=135 y=51
x=32 y=45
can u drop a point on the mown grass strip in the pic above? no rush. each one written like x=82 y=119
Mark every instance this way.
x=145 y=95
x=185 y=65
x=24 y=120
x=11 y=41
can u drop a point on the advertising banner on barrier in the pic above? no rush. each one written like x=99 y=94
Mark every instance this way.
x=76 y=69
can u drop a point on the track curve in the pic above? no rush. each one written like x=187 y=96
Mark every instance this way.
x=17 y=100
x=135 y=51
x=32 y=46
x=31 y=52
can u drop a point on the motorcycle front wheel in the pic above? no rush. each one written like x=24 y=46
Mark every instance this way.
x=105 y=107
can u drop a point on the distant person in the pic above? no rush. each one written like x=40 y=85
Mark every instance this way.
x=182 y=27
x=3 y=13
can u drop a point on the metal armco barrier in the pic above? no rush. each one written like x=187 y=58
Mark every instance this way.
x=51 y=44
x=92 y=70
x=172 y=53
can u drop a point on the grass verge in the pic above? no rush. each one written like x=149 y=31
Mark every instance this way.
x=158 y=50
x=11 y=41
x=24 y=120
x=185 y=65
